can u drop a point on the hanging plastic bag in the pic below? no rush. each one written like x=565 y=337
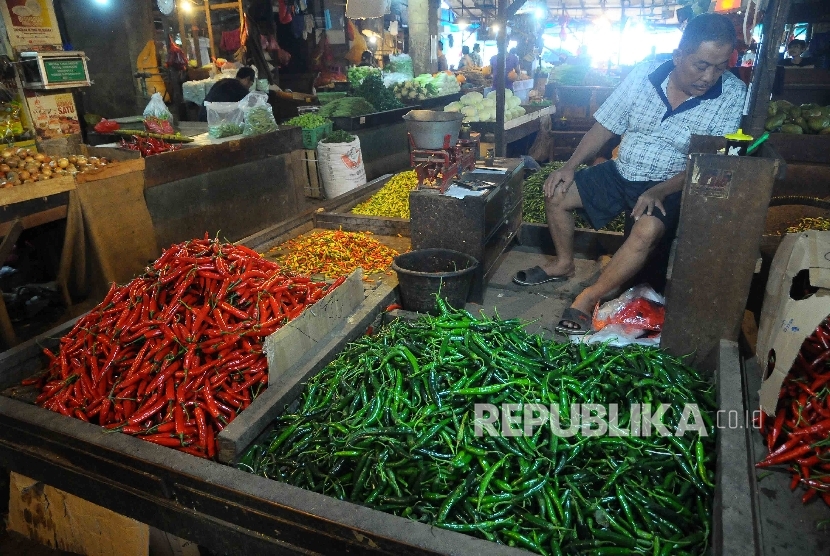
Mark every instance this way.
x=157 y=117
x=176 y=58
x=621 y=335
x=639 y=308
x=224 y=119
x=258 y=115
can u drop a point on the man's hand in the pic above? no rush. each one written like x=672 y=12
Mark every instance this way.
x=559 y=182
x=647 y=202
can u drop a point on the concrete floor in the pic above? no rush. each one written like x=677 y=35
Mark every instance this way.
x=540 y=305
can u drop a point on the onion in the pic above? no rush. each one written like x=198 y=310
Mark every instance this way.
x=40 y=157
x=7 y=153
x=63 y=162
x=24 y=175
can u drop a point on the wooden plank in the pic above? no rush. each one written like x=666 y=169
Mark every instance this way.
x=61 y=521
x=763 y=78
x=112 y=171
x=723 y=197
x=249 y=424
x=188 y=163
x=36 y=219
x=6 y=327
x=36 y=190
x=809 y=149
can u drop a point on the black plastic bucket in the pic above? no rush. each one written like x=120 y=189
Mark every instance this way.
x=422 y=273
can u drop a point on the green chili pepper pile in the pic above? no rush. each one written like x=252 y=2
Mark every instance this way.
x=534 y=201
x=389 y=424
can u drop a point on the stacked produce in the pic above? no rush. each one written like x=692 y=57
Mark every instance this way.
x=379 y=96
x=391 y=423
x=477 y=108
x=533 y=208
x=445 y=82
x=173 y=356
x=785 y=117
x=807 y=223
x=338 y=136
x=309 y=120
x=22 y=166
x=147 y=147
x=414 y=90
x=346 y=107
x=335 y=253
x=392 y=200
x=797 y=438
x=357 y=74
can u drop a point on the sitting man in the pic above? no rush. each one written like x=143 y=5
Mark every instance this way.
x=229 y=89
x=656 y=110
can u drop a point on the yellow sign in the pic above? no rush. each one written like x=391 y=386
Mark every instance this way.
x=31 y=24
x=53 y=115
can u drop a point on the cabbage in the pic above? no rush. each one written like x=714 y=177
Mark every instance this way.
x=491 y=94
x=471 y=98
x=521 y=110
x=453 y=107
x=513 y=102
x=469 y=111
x=508 y=93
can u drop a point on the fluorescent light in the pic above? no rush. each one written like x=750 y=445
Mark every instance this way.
x=444 y=5
x=373 y=39
x=540 y=13
x=187 y=7
x=495 y=28
x=102 y=2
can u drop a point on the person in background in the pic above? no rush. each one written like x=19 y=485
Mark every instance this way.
x=655 y=110
x=367 y=59
x=229 y=89
x=512 y=65
x=475 y=56
x=442 y=59
x=466 y=61
x=795 y=49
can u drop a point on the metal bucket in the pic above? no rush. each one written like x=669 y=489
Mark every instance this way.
x=430 y=128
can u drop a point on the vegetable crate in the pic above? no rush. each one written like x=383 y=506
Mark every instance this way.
x=314 y=135
x=312 y=186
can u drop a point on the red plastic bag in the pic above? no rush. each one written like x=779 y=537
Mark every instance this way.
x=106 y=126
x=176 y=58
x=639 y=308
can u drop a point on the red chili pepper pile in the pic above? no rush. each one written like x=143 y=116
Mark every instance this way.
x=148 y=146
x=176 y=354
x=799 y=436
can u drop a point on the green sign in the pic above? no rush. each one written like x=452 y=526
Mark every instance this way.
x=64 y=70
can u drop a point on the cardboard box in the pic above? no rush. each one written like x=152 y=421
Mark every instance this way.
x=801 y=264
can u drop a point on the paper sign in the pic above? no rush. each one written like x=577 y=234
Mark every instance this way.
x=54 y=115
x=31 y=24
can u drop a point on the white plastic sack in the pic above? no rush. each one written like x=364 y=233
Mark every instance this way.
x=618 y=335
x=341 y=167
x=225 y=119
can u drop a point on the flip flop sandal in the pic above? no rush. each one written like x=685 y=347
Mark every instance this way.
x=535 y=276
x=577 y=317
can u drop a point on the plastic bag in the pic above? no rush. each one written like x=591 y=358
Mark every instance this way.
x=639 y=308
x=224 y=119
x=258 y=114
x=621 y=335
x=176 y=58
x=157 y=117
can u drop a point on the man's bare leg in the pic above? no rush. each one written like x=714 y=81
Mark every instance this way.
x=627 y=261
x=559 y=210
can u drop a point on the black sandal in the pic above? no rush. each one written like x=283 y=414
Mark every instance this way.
x=577 y=317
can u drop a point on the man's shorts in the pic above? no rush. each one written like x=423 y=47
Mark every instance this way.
x=605 y=194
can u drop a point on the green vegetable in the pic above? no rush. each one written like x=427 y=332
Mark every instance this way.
x=308 y=121
x=379 y=96
x=533 y=208
x=339 y=136
x=225 y=129
x=357 y=74
x=390 y=424
x=347 y=107
x=259 y=119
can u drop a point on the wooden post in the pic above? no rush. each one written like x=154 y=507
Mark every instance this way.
x=210 y=29
x=194 y=33
x=182 y=35
x=763 y=76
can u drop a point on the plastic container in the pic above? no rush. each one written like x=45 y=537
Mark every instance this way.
x=423 y=273
x=313 y=136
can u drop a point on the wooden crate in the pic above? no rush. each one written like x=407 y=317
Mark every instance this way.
x=312 y=185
